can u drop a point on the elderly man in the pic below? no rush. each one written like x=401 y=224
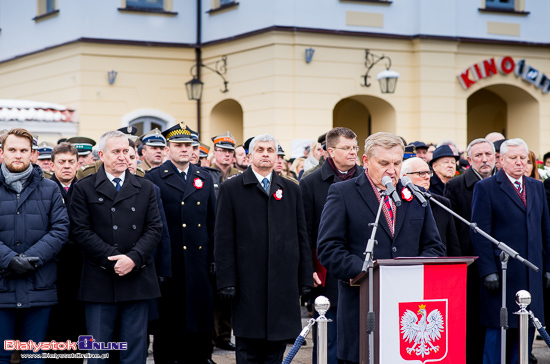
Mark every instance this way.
x=34 y=228
x=512 y=208
x=340 y=166
x=460 y=191
x=419 y=173
x=262 y=255
x=115 y=219
x=443 y=164
x=405 y=231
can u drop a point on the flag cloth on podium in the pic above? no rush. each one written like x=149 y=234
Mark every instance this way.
x=423 y=314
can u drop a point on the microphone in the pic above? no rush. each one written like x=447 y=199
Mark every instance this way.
x=406 y=181
x=390 y=190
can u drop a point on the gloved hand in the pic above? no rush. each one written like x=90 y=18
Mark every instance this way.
x=22 y=265
x=227 y=293
x=492 y=282
x=212 y=271
x=546 y=280
x=305 y=291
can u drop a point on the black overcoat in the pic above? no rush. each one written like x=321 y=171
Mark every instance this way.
x=261 y=248
x=104 y=223
x=314 y=188
x=498 y=210
x=190 y=213
x=445 y=225
x=343 y=234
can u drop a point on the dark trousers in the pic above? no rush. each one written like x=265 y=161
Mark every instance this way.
x=332 y=337
x=130 y=318
x=31 y=324
x=260 y=351
x=491 y=353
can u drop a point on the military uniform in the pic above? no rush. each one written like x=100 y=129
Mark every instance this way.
x=94 y=167
x=154 y=138
x=231 y=172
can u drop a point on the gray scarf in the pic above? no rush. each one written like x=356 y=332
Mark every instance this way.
x=16 y=181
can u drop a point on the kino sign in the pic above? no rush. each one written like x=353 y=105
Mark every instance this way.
x=504 y=66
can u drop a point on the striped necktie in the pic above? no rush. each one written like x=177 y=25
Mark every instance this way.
x=518 y=187
x=388 y=206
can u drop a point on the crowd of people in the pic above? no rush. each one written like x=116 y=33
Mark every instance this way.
x=157 y=235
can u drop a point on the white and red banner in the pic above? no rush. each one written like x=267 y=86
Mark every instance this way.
x=423 y=314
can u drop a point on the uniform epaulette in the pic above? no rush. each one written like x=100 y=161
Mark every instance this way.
x=87 y=166
x=290 y=179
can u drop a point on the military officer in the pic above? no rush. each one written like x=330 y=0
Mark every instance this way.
x=224 y=152
x=84 y=146
x=44 y=159
x=187 y=193
x=34 y=152
x=153 y=149
x=203 y=155
x=278 y=168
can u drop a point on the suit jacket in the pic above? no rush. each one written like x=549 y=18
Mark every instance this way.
x=446 y=226
x=343 y=235
x=314 y=188
x=190 y=213
x=499 y=211
x=104 y=223
x=261 y=248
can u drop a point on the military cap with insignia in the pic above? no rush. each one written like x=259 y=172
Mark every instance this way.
x=44 y=151
x=280 y=151
x=131 y=130
x=203 y=150
x=84 y=145
x=34 y=142
x=154 y=138
x=179 y=133
x=246 y=145
x=225 y=141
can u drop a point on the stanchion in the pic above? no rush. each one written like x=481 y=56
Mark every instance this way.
x=523 y=299
x=322 y=305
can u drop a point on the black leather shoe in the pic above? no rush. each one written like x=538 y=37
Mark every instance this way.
x=532 y=359
x=226 y=345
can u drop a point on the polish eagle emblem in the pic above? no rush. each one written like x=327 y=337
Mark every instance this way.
x=422 y=331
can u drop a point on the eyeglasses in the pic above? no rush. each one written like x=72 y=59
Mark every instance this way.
x=423 y=174
x=348 y=148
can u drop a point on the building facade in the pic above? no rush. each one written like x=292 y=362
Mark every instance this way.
x=294 y=68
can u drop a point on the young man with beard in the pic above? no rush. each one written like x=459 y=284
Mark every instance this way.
x=35 y=227
x=262 y=255
x=241 y=159
x=340 y=166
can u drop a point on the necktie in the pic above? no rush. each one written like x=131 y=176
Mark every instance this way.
x=388 y=206
x=265 y=183
x=518 y=187
x=66 y=189
x=184 y=175
x=117 y=181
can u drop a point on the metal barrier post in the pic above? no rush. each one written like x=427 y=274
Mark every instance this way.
x=523 y=299
x=322 y=305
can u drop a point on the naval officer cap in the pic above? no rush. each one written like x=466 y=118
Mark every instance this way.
x=280 y=151
x=44 y=151
x=154 y=138
x=203 y=150
x=225 y=141
x=83 y=145
x=195 y=137
x=130 y=130
x=179 y=133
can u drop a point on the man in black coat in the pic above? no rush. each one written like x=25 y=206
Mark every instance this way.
x=419 y=173
x=189 y=203
x=405 y=231
x=340 y=166
x=64 y=164
x=262 y=255
x=443 y=164
x=459 y=191
x=115 y=219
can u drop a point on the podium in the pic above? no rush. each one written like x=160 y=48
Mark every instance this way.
x=420 y=309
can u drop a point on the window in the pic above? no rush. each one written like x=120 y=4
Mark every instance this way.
x=226 y=2
x=145 y=4
x=500 y=4
x=145 y=124
x=46 y=9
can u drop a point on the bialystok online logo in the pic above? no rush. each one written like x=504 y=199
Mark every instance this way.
x=86 y=342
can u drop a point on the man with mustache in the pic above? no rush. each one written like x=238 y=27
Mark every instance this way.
x=262 y=254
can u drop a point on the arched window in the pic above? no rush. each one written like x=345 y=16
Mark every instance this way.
x=145 y=124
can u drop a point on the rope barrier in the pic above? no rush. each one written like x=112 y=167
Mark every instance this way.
x=299 y=342
x=540 y=329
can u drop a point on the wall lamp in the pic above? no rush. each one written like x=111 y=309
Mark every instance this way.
x=387 y=78
x=195 y=86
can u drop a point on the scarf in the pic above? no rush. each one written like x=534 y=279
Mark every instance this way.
x=16 y=181
x=343 y=176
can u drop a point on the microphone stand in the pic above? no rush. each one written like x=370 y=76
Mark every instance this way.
x=506 y=253
x=368 y=264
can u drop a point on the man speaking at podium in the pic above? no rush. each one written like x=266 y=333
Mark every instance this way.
x=408 y=230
